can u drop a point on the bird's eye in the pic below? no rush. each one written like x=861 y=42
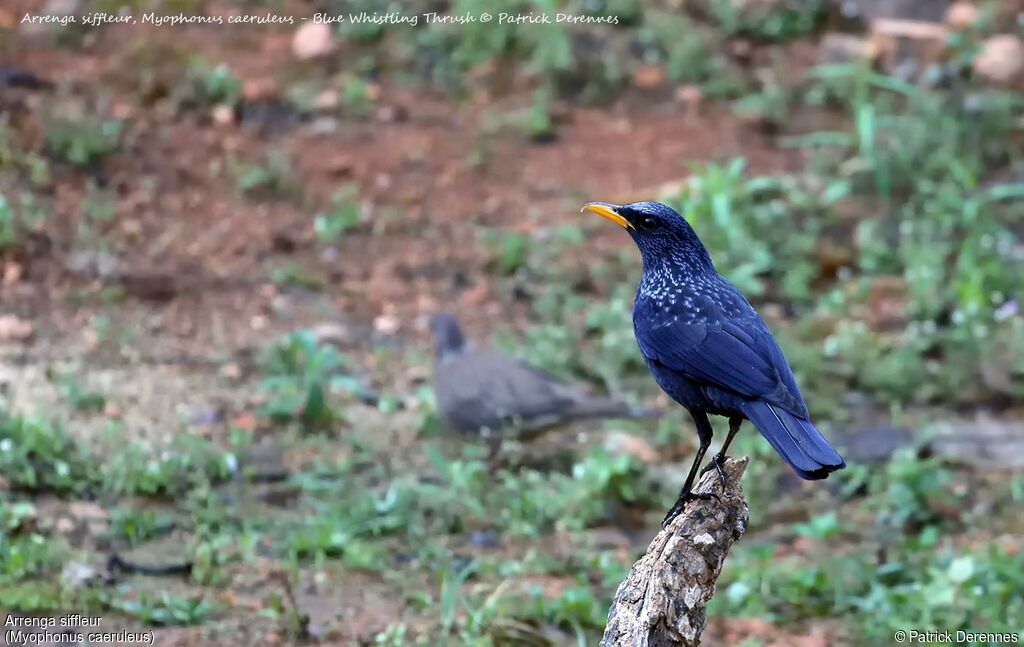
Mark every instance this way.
x=648 y=222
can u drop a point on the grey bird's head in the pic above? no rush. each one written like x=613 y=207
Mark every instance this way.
x=659 y=232
x=448 y=338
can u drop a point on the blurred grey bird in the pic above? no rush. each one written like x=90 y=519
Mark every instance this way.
x=482 y=392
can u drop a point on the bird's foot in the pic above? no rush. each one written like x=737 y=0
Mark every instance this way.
x=495 y=460
x=716 y=463
x=681 y=502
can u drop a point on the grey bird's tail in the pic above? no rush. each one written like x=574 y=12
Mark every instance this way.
x=796 y=440
x=593 y=407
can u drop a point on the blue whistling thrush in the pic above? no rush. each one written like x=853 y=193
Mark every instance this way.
x=708 y=349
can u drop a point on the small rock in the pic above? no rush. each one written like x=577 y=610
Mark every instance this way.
x=339 y=164
x=392 y=114
x=648 y=77
x=887 y=301
x=78 y=574
x=312 y=40
x=689 y=94
x=94 y=264
x=332 y=333
x=13 y=328
x=260 y=89
x=387 y=324
x=231 y=371
x=245 y=421
x=484 y=539
x=12 y=273
x=207 y=416
x=131 y=228
x=961 y=15
x=742 y=49
x=150 y=285
x=279 y=494
x=223 y=115
x=839 y=48
x=324 y=125
x=1001 y=59
x=326 y=101
x=618 y=442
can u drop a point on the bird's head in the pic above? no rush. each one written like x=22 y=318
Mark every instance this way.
x=448 y=337
x=658 y=231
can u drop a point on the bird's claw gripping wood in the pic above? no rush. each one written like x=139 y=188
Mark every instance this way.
x=685 y=498
x=716 y=464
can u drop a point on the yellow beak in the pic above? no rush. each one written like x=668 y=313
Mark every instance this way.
x=608 y=211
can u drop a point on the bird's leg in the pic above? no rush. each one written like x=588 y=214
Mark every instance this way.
x=718 y=459
x=704 y=433
x=494 y=453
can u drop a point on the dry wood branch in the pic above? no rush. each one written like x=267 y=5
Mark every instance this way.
x=662 y=602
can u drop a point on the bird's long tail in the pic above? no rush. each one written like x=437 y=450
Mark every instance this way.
x=592 y=407
x=796 y=440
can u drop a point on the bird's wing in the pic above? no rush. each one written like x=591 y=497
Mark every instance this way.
x=486 y=389
x=535 y=392
x=728 y=346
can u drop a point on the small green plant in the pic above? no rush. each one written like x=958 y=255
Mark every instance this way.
x=38 y=456
x=301 y=374
x=166 y=608
x=294 y=275
x=271 y=178
x=80 y=397
x=211 y=85
x=537 y=122
x=16 y=221
x=509 y=249
x=577 y=608
x=138 y=525
x=344 y=214
x=188 y=462
x=769 y=21
x=83 y=141
x=357 y=96
x=24 y=552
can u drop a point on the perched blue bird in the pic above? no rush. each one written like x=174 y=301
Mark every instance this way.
x=708 y=349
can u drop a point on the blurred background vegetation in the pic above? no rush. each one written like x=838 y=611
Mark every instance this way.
x=219 y=244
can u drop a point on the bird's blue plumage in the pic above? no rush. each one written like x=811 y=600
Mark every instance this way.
x=707 y=347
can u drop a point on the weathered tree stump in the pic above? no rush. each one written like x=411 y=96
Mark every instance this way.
x=663 y=601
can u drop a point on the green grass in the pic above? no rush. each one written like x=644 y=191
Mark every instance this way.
x=209 y=85
x=83 y=141
x=301 y=376
x=344 y=214
x=270 y=178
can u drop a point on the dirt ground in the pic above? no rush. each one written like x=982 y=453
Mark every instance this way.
x=196 y=258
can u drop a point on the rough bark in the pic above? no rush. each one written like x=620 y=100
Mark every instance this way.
x=663 y=601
